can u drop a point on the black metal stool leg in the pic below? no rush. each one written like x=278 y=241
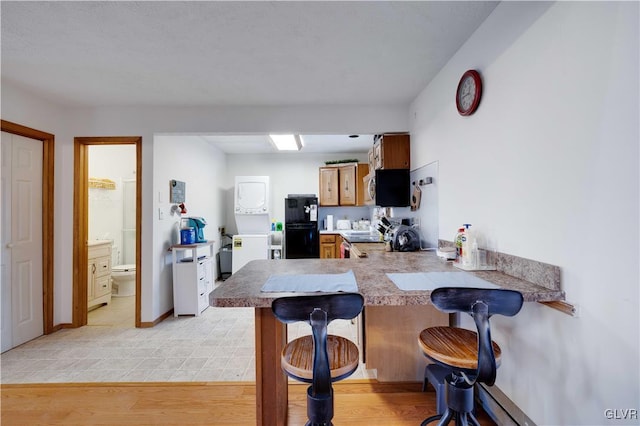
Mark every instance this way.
x=444 y=418
x=319 y=408
x=473 y=420
x=461 y=420
x=428 y=420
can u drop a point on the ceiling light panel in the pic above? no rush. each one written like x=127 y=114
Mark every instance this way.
x=286 y=142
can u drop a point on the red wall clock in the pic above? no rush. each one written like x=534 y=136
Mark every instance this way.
x=469 y=92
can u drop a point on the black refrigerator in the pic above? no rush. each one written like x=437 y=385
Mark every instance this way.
x=301 y=226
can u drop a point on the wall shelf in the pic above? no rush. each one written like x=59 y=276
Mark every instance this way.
x=101 y=183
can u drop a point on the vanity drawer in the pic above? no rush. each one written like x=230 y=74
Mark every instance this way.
x=99 y=250
x=103 y=266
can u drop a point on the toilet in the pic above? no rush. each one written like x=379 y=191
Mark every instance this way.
x=123 y=277
x=123 y=280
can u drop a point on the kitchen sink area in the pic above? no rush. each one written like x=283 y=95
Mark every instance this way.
x=362 y=236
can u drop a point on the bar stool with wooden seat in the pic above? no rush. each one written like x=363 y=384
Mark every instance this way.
x=472 y=357
x=319 y=359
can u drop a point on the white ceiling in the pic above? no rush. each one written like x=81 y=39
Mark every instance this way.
x=213 y=53
x=311 y=144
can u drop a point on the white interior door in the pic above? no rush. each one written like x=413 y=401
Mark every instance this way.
x=21 y=251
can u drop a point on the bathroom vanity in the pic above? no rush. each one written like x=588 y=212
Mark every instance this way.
x=99 y=273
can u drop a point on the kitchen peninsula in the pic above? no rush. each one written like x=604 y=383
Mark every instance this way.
x=243 y=289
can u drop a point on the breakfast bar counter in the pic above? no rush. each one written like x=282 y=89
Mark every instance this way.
x=243 y=289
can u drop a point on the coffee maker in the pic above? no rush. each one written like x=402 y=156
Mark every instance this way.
x=198 y=224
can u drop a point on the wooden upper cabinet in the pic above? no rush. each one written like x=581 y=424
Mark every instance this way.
x=347 y=185
x=361 y=171
x=342 y=185
x=329 y=186
x=391 y=151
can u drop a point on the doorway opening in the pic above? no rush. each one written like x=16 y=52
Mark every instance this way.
x=111 y=238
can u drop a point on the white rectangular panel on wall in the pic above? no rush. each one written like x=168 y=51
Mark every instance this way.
x=426 y=215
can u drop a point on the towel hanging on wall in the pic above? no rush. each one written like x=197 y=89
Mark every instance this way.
x=415 y=197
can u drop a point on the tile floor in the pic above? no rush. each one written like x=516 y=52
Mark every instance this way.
x=216 y=346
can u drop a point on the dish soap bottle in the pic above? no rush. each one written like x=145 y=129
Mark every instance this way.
x=467 y=244
x=458 y=244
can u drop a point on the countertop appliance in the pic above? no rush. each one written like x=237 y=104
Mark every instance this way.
x=343 y=224
x=198 y=224
x=251 y=208
x=389 y=187
x=301 y=239
x=405 y=238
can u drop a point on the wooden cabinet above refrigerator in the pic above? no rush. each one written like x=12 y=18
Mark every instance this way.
x=390 y=151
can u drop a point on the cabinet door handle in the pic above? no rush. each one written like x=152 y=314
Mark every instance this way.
x=93 y=268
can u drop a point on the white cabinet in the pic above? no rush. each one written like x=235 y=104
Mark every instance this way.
x=99 y=273
x=192 y=278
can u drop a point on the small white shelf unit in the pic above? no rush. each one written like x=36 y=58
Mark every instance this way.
x=275 y=245
x=192 y=277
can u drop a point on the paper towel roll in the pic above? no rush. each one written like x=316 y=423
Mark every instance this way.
x=329 y=222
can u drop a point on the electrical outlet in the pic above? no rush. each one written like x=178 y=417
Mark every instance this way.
x=221 y=230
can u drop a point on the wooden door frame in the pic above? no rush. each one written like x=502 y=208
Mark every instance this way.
x=81 y=220
x=48 y=162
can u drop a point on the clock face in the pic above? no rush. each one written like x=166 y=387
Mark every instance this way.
x=468 y=93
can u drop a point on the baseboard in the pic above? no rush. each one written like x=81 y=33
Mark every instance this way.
x=500 y=408
x=157 y=321
x=59 y=327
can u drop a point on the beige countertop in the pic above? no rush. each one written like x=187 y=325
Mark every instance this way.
x=91 y=243
x=242 y=289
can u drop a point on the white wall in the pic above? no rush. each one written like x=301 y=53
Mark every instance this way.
x=547 y=168
x=25 y=108
x=203 y=169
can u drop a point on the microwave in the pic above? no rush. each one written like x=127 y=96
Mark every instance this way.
x=388 y=188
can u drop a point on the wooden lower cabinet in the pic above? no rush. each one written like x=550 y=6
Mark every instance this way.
x=391 y=340
x=330 y=246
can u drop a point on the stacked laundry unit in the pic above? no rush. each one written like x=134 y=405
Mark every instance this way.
x=252 y=213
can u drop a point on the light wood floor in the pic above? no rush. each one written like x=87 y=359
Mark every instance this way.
x=364 y=402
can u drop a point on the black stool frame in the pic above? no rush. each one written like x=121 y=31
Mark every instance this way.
x=481 y=304
x=318 y=311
